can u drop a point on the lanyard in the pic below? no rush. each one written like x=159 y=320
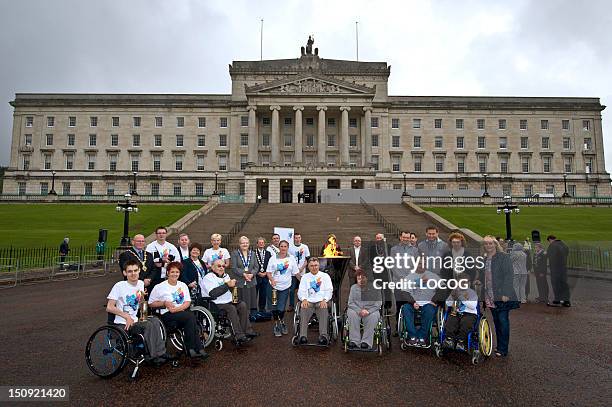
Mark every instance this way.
x=246 y=261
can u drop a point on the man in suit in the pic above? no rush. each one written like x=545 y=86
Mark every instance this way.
x=263 y=257
x=358 y=260
x=137 y=252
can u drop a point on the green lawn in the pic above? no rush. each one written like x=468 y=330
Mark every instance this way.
x=569 y=224
x=37 y=225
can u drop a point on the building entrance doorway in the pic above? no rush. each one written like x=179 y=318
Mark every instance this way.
x=262 y=190
x=310 y=191
x=286 y=191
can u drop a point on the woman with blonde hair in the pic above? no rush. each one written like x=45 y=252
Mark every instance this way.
x=216 y=252
x=244 y=271
x=456 y=242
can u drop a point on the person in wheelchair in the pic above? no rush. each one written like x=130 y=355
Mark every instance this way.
x=314 y=292
x=463 y=304
x=123 y=302
x=363 y=308
x=421 y=299
x=218 y=286
x=173 y=300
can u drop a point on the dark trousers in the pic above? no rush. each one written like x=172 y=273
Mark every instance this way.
x=501 y=319
x=542 y=283
x=186 y=321
x=238 y=314
x=295 y=283
x=558 y=280
x=262 y=292
x=457 y=327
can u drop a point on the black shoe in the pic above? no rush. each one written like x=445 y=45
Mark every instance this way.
x=566 y=303
x=243 y=339
x=159 y=361
x=323 y=341
x=252 y=335
x=365 y=345
x=460 y=346
x=554 y=304
x=303 y=340
x=200 y=354
x=352 y=345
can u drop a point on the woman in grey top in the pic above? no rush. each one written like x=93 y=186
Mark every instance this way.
x=363 y=306
x=244 y=269
x=519 y=265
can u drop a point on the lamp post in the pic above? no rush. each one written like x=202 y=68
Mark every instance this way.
x=126 y=207
x=135 y=188
x=404 y=193
x=52 y=192
x=507 y=208
x=216 y=191
x=565 y=194
x=486 y=191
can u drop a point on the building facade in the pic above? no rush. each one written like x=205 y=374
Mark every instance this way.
x=298 y=126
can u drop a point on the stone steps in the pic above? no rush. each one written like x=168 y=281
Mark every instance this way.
x=220 y=220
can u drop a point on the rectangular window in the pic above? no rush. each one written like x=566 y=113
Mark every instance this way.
x=459 y=124
x=180 y=122
x=49 y=139
x=463 y=187
x=395 y=123
x=155 y=188
x=480 y=124
x=502 y=124
x=331 y=122
x=176 y=189
x=437 y=123
x=287 y=159
x=441 y=187
x=201 y=140
x=586 y=125
x=265 y=140
x=507 y=189
x=241 y=188
x=331 y=140
x=416 y=123
x=114 y=140
x=482 y=164
x=331 y=160
x=439 y=164
x=545 y=143
x=593 y=190
x=157 y=162
x=65 y=188
x=115 y=121
x=567 y=143
x=69 y=161
x=93 y=121
x=157 y=140
x=91 y=162
x=571 y=189
x=527 y=190
x=44 y=188
x=136 y=121
x=136 y=140
x=223 y=122
x=287 y=121
x=438 y=142
x=135 y=163
x=416 y=142
x=265 y=159
x=419 y=186
x=112 y=162
x=88 y=188
x=72 y=121
x=523 y=124
x=221 y=188
x=374 y=140
x=200 y=162
x=461 y=165
x=550 y=189
x=375 y=162
x=310 y=140
x=374 y=122
x=418 y=164
x=544 y=124
x=565 y=124
x=71 y=140
x=244 y=140
x=265 y=121
x=460 y=142
x=353 y=140
x=92 y=140
x=568 y=165
x=482 y=143
x=29 y=121
x=588 y=144
x=525 y=164
x=201 y=122
x=503 y=142
x=524 y=143
x=199 y=189
x=28 y=139
x=503 y=165
x=159 y=121
x=353 y=160
x=395 y=141
x=288 y=139
x=352 y=122
x=244 y=121
x=309 y=121
x=178 y=162
x=26 y=162
x=110 y=188
x=47 y=161
x=243 y=162
x=396 y=163
x=222 y=140
x=50 y=121
x=546 y=163
x=179 y=140
x=222 y=162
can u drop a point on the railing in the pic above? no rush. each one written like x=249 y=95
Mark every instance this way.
x=525 y=200
x=238 y=226
x=390 y=228
x=231 y=198
x=597 y=259
x=103 y=198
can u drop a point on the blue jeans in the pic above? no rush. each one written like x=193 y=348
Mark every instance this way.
x=428 y=313
x=278 y=310
x=295 y=283
x=502 y=329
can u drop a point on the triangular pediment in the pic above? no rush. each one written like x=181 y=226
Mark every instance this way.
x=309 y=84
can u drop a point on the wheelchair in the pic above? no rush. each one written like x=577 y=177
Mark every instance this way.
x=382 y=332
x=214 y=323
x=434 y=330
x=332 y=325
x=480 y=337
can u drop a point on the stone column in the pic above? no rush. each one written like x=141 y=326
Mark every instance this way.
x=297 y=158
x=321 y=136
x=273 y=190
x=253 y=137
x=298 y=188
x=367 y=123
x=275 y=135
x=344 y=136
x=250 y=190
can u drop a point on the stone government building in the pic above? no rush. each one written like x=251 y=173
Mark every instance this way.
x=302 y=125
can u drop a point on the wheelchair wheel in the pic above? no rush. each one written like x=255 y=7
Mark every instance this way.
x=475 y=357
x=177 y=340
x=206 y=325
x=438 y=349
x=295 y=340
x=106 y=352
x=485 y=337
x=218 y=344
x=387 y=333
x=335 y=323
x=296 y=321
x=400 y=324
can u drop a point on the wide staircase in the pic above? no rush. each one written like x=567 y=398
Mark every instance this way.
x=407 y=220
x=220 y=220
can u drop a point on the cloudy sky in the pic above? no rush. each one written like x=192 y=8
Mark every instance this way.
x=496 y=48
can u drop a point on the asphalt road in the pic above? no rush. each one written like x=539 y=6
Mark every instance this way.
x=557 y=357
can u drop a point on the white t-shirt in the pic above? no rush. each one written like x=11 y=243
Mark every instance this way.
x=467 y=301
x=211 y=255
x=282 y=270
x=212 y=281
x=128 y=297
x=300 y=253
x=178 y=294
x=162 y=249
x=315 y=288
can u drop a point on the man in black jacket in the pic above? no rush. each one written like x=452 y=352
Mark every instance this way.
x=263 y=257
x=557 y=260
x=137 y=252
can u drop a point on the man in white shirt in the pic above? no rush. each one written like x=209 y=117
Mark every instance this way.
x=123 y=302
x=273 y=248
x=218 y=286
x=163 y=253
x=315 y=292
x=301 y=252
x=358 y=259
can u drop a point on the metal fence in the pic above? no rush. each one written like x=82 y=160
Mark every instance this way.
x=497 y=200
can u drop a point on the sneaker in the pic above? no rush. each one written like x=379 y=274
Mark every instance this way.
x=566 y=303
x=284 y=329
x=303 y=340
x=365 y=345
x=277 y=330
x=448 y=343
x=422 y=343
x=352 y=345
x=460 y=346
x=412 y=342
x=252 y=335
x=554 y=304
x=323 y=341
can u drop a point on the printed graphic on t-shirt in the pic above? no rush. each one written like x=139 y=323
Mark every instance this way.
x=178 y=296
x=315 y=284
x=217 y=256
x=133 y=300
x=282 y=266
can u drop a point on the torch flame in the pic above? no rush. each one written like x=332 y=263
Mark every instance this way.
x=331 y=248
